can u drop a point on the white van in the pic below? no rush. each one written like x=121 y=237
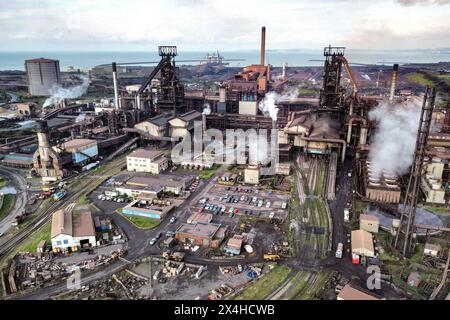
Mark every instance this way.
x=339 y=250
x=346 y=215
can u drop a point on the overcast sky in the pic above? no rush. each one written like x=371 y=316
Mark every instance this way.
x=222 y=24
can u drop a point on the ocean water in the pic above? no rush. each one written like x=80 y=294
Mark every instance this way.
x=15 y=60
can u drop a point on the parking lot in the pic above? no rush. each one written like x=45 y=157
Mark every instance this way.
x=233 y=201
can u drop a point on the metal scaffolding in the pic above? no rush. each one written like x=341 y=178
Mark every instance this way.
x=405 y=235
x=332 y=94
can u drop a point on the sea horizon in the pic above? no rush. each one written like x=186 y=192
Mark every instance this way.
x=14 y=60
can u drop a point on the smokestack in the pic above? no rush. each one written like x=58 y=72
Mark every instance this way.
x=222 y=93
x=263 y=45
x=393 y=82
x=116 y=91
x=283 y=71
x=43 y=144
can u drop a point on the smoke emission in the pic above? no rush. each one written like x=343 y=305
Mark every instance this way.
x=395 y=138
x=58 y=93
x=206 y=109
x=268 y=105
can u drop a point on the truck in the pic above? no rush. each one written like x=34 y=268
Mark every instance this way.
x=174 y=255
x=346 y=215
x=271 y=257
x=339 y=250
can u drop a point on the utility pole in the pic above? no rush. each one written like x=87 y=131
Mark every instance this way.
x=408 y=212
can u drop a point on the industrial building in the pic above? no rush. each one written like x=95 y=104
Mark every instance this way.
x=202 y=234
x=351 y=292
x=431 y=183
x=362 y=243
x=183 y=124
x=72 y=232
x=369 y=223
x=42 y=75
x=154 y=186
x=234 y=245
x=252 y=173
x=82 y=150
x=380 y=187
x=200 y=217
x=148 y=208
x=157 y=126
x=18 y=160
x=145 y=160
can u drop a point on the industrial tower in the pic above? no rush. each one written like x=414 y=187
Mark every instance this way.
x=406 y=233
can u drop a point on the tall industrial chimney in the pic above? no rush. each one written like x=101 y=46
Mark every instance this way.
x=263 y=45
x=393 y=82
x=116 y=91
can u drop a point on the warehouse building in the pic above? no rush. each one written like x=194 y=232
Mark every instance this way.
x=82 y=150
x=42 y=75
x=71 y=232
x=18 y=160
x=202 y=234
x=144 y=160
x=181 y=125
x=349 y=292
x=157 y=126
x=362 y=243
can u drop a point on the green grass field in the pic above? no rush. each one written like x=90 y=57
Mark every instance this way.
x=265 y=285
x=141 y=222
x=208 y=173
x=30 y=244
x=419 y=78
x=3 y=182
x=8 y=204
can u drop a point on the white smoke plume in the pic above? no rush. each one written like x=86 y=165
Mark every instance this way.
x=206 y=109
x=58 y=93
x=268 y=105
x=394 y=142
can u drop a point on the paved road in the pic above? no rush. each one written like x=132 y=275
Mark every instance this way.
x=18 y=182
x=138 y=239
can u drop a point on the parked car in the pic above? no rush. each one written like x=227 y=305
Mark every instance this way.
x=268 y=204
x=235 y=211
x=170 y=234
x=283 y=205
x=158 y=235
x=173 y=219
x=152 y=241
x=271 y=215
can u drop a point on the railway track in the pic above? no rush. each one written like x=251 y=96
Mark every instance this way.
x=86 y=179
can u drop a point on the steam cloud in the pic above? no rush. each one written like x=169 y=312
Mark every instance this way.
x=206 y=109
x=268 y=105
x=409 y=3
x=394 y=142
x=59 y=93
